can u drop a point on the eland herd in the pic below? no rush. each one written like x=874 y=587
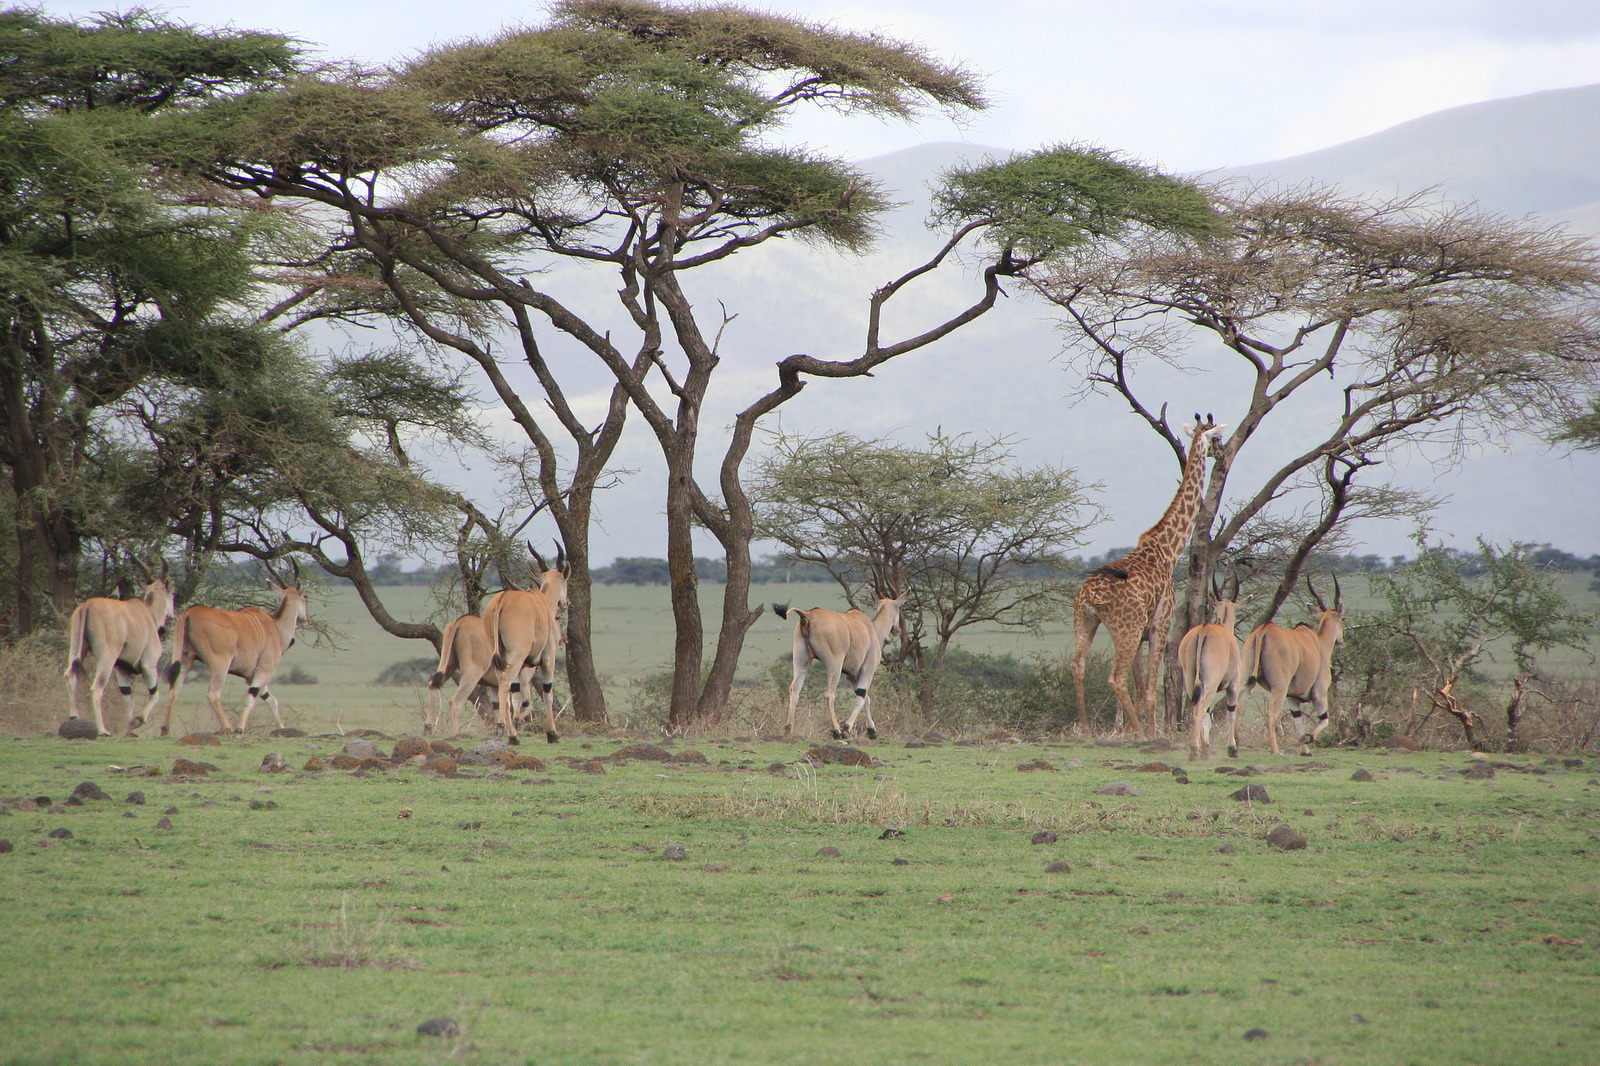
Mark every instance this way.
x=508 y=653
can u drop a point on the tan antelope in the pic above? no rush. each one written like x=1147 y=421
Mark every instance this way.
x=1209 y=658
x=124 y=636
x=1294 y=664
x=849 y=645
x=465 y=656
x=248 y=643
x=524 y=632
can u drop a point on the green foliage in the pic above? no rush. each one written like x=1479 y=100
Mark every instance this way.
x=1046 y=202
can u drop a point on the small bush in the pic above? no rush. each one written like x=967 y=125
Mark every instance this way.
x=296 y=676
x=32 y=689
x=408 y=672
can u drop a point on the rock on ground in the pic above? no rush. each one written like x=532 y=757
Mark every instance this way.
x=1285 y=838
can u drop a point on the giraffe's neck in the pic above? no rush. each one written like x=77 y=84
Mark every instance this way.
x=1169 y=535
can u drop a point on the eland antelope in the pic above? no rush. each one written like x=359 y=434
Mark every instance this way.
x=248 y=643
x=1209 y=658
x=124 y=636
x=1294 y=664
x=849 y=645
x=524 y=632
x=465 y=656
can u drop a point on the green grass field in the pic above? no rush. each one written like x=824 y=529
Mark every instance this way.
x=298 y=918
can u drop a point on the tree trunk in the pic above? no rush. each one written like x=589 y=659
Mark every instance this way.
x=1445 y=701
x=689 y=633
x=1514 y=714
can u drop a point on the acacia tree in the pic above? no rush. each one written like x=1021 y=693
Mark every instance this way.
x=952 y=526
x=297 y=456
x=1364 y=325
x=637 y=139
x=1445 y=612
x=115 y=275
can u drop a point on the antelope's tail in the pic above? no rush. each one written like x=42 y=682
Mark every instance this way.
x=79 y=629
x=180 y=637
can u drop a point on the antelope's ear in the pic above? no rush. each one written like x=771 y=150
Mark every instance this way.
x=1188 y=429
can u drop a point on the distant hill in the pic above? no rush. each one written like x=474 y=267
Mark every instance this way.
x=1526 y=154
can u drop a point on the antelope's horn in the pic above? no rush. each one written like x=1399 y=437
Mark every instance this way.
x=537 y=558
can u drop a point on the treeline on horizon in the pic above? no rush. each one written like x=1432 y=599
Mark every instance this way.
x=390 y=570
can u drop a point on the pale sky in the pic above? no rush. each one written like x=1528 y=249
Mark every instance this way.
x=1183 y=84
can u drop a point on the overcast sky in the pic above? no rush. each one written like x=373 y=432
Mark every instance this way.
x=1185 y=85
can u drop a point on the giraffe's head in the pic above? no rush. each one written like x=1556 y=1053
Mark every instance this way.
x=1205 y=435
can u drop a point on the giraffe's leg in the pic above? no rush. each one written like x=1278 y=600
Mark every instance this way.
x=1126 y=651
x=1084 y=623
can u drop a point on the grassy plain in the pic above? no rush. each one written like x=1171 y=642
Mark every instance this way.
x=1432 y=919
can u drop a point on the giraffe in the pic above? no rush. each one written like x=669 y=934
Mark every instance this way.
x=1133 y=595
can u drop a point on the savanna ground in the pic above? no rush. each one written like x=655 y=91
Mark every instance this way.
x=321 y=916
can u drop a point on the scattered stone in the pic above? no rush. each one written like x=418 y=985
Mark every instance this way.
x=185 y=768
x=675 y=852
x=78 y=729
x=315 y=764
x=441 y=764
x=1362 y=774
x=201 y=740
x=1060 y=866
x=1045 y=836
x=287 y=731
x=361 y=749
x=1227 y=769
x=835 y=753
x=1478 y=771
x=136 y=798
x=5 y=846
x=1117 y=788
x=62 y=833
x=593 y=766
x=689 y=755
x=1285 y=838
x=1226 y=849
x=781 y=770
x=510 y=760
x=410 y=745
x=1359 y=1019
x=1257 y=1034
x=263 y=805
x=644 y=752
x=891 y=834
x=375 y=762
x=344 y=761
x=829 y=852
x=274 y=763
x=495 y=845
x=1037 y=764
x=1403 y=743
x=1251 y=794
x=74 y=801
x=444 y=1027
x=915 y=743
x=165 y=823
x=1158 y=768
x=900 y=862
